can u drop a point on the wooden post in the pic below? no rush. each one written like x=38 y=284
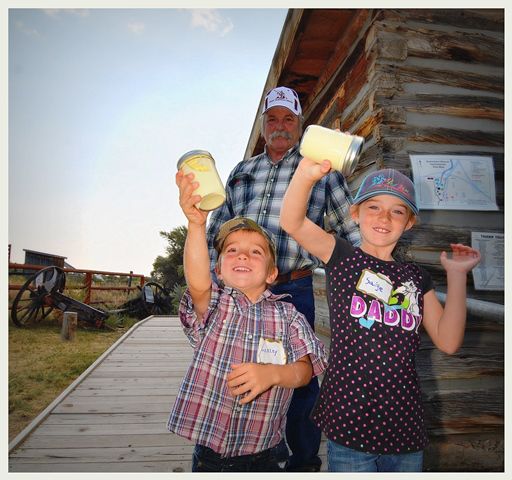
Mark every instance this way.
x=69 y=324
x=88 y=287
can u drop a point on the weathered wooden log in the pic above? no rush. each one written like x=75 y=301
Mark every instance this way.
x=468 y=453
x=69 y=324
x=442 y=135
x=419 y=41
x=453 y=105
x=463 y=410
x=468 y=363
x=481 y=19
x=481 y=80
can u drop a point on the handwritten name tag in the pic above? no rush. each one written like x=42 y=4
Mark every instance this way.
x=271 y=351
x=376 y=285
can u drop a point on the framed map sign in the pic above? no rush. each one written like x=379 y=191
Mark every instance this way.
x=454 y=182
x=489 y=274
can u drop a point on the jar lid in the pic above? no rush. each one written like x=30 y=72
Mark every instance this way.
x=352 y=155
x=194 y=153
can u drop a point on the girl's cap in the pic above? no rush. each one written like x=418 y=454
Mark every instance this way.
x=387 y=182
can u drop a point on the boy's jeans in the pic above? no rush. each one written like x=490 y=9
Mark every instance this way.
x=205 y=459
x=343 y=459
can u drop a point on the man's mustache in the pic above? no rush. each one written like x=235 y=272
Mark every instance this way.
x=280 y=133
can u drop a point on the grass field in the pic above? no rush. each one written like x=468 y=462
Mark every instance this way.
x=41 y=365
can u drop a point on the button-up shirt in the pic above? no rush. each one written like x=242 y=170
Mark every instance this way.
x=255 y=189
x=229 y=333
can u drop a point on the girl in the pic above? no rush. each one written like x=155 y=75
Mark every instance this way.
x=370 y=405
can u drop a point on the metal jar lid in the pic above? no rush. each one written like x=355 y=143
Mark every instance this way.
x=194 y=153
x=352 y=155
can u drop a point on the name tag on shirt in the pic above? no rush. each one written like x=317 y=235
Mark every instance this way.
x=271 y=351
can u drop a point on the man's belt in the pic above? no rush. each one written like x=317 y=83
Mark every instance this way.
x=295 y=275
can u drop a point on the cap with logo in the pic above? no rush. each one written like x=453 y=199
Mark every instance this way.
x=243 y=223
x=387 y=182
x=282 y=97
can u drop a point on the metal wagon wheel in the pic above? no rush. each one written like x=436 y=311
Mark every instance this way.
x=34 y=300
x=156 y=299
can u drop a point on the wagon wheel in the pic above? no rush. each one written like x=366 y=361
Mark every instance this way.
x=34 y=300
x=156 y=300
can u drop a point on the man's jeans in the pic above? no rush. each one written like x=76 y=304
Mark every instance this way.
x=302 y=436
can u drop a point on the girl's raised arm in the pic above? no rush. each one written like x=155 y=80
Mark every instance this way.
x=293 y=211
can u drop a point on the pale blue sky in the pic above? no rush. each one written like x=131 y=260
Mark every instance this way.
x=102 y=103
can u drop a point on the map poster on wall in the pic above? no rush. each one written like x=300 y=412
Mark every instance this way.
x=454 y=182
x=489 y=274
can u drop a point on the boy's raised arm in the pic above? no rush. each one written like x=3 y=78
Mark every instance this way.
x=196 y=260
x=293 y=211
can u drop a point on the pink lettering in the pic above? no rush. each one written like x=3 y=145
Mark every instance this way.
x=374 y=313
x=408 y=321
x=391 y=317
x=357 y=307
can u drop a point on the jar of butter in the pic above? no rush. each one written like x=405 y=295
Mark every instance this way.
x=341 y=149
x=211 y=189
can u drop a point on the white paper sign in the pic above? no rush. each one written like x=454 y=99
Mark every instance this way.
x=454 y=182
x=489 y=274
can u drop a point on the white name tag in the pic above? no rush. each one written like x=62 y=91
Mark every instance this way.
x=376 y=285
x=271 y=351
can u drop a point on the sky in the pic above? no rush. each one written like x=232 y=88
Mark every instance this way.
x=103 y=102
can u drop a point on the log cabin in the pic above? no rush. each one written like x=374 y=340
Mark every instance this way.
x=418 y=82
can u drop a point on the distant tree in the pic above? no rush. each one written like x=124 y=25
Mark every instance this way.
x=168 y=270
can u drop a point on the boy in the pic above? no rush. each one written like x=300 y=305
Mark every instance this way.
x=370 y=405
x=250 y=349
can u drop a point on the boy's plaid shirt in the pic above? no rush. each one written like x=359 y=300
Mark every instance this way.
x=255 y=189
x=229 y=333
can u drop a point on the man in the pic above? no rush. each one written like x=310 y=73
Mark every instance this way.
x=255 y=189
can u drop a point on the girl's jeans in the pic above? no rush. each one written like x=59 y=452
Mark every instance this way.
x=343 y=459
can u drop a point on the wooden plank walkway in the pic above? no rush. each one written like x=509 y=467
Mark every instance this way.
x=113 y=417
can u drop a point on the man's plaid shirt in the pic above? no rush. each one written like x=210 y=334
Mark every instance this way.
x=229 y=333
x=255 y=189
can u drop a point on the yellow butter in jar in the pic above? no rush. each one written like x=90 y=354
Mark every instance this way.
x=211 y=189
x=341 y=149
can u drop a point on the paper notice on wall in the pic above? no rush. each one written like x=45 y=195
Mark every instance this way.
x=454 y=182
x=489 y=274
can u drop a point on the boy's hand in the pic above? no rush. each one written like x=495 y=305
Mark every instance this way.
x=188 y=200
x=314 y=171
x=463 y=259
x=249 y=380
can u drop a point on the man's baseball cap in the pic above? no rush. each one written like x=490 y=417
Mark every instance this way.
x=243 y=223
x=282 y=97
x=387 y=182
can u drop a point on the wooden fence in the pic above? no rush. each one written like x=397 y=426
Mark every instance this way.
x=88 y=284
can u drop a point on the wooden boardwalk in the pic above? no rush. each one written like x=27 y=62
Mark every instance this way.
x=113 y=417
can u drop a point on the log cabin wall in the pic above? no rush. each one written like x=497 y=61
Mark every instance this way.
x=417 y=81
